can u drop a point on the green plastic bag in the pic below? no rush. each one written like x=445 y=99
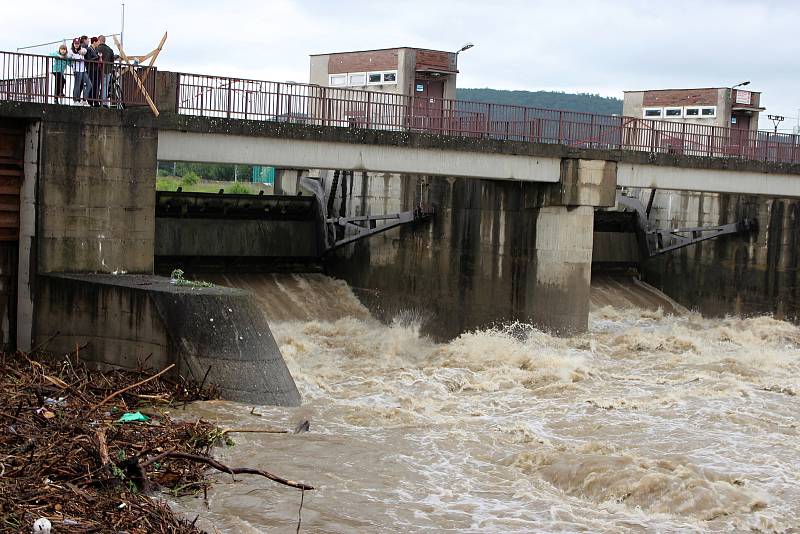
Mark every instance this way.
x=133 y=417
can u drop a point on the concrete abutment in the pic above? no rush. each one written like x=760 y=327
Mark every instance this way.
x=85 y=255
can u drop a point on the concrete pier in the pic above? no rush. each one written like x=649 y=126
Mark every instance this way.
x=496 y=251
x=746 y=274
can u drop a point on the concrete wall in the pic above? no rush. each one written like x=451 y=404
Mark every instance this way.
x=96 y=192
x=144 y=321
x=750 y=274
x=187 y=237
x=492 y=254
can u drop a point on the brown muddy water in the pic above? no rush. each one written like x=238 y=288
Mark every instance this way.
x=651 y=422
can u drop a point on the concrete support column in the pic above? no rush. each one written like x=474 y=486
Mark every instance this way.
x=286 y=181
x=27 y=237
x=558 y=294
x=496 y=251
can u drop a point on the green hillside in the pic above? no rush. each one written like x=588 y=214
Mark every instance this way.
x=545 y=99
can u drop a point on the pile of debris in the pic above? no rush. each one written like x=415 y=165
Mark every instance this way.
x=83 y=450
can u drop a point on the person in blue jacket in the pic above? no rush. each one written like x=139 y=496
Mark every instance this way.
x=59 y=65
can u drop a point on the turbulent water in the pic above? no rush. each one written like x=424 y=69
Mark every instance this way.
x=651 y=422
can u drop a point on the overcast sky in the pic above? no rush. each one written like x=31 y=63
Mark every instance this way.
x=599 y=46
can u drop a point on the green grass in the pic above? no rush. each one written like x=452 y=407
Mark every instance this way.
x=171 y=183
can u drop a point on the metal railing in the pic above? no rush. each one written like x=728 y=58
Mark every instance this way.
x=29 y=77
x=216 y=96
x=55 y=80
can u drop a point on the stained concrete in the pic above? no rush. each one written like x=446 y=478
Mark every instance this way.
x=237 y=238
x=96 y=194
x=136 y=320
x=746 y=274
x=491 y=255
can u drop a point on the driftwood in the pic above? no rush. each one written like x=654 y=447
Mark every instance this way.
x=137 y=384
x=224 y=468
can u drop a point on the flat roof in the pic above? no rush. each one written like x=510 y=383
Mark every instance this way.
x=381 y=50
x=684 y=89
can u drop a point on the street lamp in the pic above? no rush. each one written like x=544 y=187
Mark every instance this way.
x=741 y=84
x=465 y=47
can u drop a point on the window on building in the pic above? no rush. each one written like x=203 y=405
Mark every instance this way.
x=390 y=77
x=691 y=112
x=375 y=77
x=358 y=78
x=708 y=112
x=673 y=112
x=652 y=113
x=337 y=80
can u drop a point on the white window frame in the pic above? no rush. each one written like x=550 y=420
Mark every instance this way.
x=659 y=116
x=332 y=77
x=686 y=112
x=380 y=78
x=383 y=80
x=672 y=108
x=350 y=79
x=713 y=108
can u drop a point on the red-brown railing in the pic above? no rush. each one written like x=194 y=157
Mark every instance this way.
x=330 y=106
x=29 y=78
x=53 y=80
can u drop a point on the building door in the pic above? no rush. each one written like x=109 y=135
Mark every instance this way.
x=428 y=96
x=12 y=143
x=740 y=132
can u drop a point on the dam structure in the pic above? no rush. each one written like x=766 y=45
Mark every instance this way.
x=499 y=226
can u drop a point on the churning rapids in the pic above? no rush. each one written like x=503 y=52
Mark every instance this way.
x=651 y=422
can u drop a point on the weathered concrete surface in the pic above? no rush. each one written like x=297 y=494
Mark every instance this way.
x=96 y=192
x=731 y=180
x=585 y=183
x=191 y=237
x=229 y=148
x=749 y=274
x=131 y=319
x=491 y=255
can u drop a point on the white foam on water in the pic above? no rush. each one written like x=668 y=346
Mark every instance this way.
x=652 y=421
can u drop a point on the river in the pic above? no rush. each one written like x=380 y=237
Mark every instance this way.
x=656 y=420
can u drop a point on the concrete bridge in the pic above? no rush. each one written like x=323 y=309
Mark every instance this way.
x=512 y=238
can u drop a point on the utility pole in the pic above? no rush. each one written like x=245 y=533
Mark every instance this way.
x=776 y=120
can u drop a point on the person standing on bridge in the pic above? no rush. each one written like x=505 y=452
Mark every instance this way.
x=107 y=56
x=93 y=69
x=82 y=84
x=60 y=63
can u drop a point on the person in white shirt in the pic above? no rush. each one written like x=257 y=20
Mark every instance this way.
x=82 y=82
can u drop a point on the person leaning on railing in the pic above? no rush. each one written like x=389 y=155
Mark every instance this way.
x=82 y=83
x=59 y=65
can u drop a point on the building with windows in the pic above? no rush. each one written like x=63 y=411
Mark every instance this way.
x=404 y=71
x=712 y=106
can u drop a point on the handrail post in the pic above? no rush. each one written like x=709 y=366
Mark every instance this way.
x=488 y=120
x=526 y=129
x=278 y=100
x=369 y=109
x=560 y=127
x=325 y=108
x=230 y=95
x=47 y=71
x=683 y=138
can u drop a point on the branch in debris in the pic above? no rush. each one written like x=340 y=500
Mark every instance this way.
x=224 y=468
